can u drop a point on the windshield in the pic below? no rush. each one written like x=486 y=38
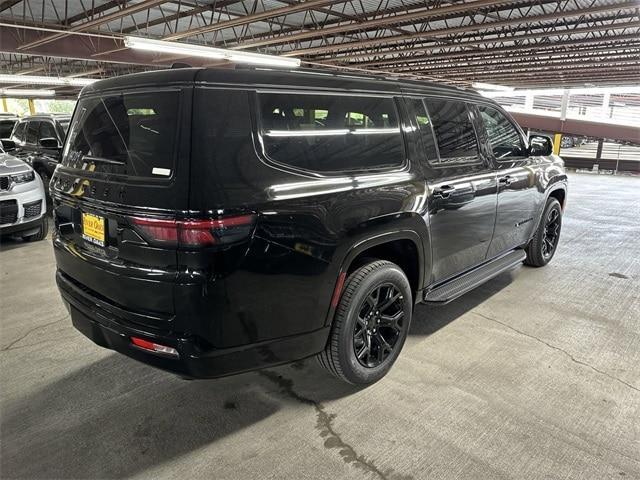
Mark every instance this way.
x=128 y=134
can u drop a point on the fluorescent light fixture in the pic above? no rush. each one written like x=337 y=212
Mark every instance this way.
x=189 y=50
x=491 y=86
x=23 y=92
x=41 y=80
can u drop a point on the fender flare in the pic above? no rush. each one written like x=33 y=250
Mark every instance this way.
x=375 y=240
x=557 y=183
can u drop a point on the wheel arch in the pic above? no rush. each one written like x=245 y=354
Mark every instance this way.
x=558 y=190
x=385 y=246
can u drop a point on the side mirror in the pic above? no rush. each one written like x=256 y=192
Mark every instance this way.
x=8 y=145
x=540 y=146
x=50 y=143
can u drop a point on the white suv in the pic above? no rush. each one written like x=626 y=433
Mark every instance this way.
x=23 y=204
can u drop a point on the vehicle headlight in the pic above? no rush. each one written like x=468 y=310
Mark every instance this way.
x=23 y=177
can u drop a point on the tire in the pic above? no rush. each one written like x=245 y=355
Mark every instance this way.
x=42 y=232
x=358 y=328
x=544 y=243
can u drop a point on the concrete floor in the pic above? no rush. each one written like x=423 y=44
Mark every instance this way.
x=534 y=375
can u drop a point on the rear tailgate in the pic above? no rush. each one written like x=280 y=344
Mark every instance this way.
x=126 y=156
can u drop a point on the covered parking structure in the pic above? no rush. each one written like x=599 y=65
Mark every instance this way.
x=532 y=375
x=519 y=43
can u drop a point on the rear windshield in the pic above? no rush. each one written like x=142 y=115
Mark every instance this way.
x=128 y=134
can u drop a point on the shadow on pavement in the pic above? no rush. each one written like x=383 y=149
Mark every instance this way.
x=429 y=319
x=117 y=417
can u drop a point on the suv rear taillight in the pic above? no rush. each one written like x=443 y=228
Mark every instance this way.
x=194 y=233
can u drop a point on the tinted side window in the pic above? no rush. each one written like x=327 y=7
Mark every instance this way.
x=425 y=131
x=454 y=131
x=32 y=132
x=328 y=133
x=18 y=132
x=6 y=126
x=47 y=130
x=503 y=137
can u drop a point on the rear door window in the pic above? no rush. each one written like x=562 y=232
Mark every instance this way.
x=18 y=132
x=504 y=138
x=131 y=134
x=453 y=128
x=47 y=131
x=422 y=121
x=32 y=132
x=330 y=133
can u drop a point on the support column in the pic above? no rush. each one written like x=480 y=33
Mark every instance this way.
x=32 y=107
x=557 y=138
x=5 y=107
x=599 y=150
x=528 y=102
x=605 y=105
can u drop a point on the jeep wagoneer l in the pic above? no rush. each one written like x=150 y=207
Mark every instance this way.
x=210 y=222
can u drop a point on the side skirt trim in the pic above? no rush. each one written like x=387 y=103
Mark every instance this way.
x=462 y=284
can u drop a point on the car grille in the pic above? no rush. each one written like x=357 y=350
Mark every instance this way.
x=32 y=209
x=8 y=211
x=4 y=183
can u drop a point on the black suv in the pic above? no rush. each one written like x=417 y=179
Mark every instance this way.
x=7 y=121
x=38 y=140
x=210 y=222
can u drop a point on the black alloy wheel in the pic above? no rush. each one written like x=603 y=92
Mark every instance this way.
x=379 y=325
x=370 y=325
x=544 y=244
x=551 y=233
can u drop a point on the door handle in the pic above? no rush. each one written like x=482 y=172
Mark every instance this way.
x=443 y=191
x=506 y=180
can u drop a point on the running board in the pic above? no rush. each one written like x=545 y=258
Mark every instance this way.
x=470 y=280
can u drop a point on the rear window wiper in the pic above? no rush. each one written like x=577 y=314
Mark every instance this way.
x=109 y=161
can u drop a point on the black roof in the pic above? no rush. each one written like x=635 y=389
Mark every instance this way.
x=255 y=77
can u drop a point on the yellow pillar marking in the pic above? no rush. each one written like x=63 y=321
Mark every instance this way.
x=5 y=107
x=32 y=107
x=557 y=138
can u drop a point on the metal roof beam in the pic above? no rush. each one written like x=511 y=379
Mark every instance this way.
x=360 y=44
x=7 y=4
x=123 y=12
x=476 y=43
x=255 y=17
x=212 y=7
x=492 y=68
x=554 y=58
x=376 y=23
x=89 y=14
x=620 y=41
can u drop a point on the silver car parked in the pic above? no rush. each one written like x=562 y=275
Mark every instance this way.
x=23 y=204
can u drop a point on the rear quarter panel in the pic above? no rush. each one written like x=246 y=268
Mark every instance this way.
x=283 y=282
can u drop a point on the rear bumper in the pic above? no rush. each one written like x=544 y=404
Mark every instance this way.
x=109 y=331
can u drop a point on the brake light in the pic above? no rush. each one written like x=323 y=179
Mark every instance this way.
x=154 y=347
x=195 y=232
